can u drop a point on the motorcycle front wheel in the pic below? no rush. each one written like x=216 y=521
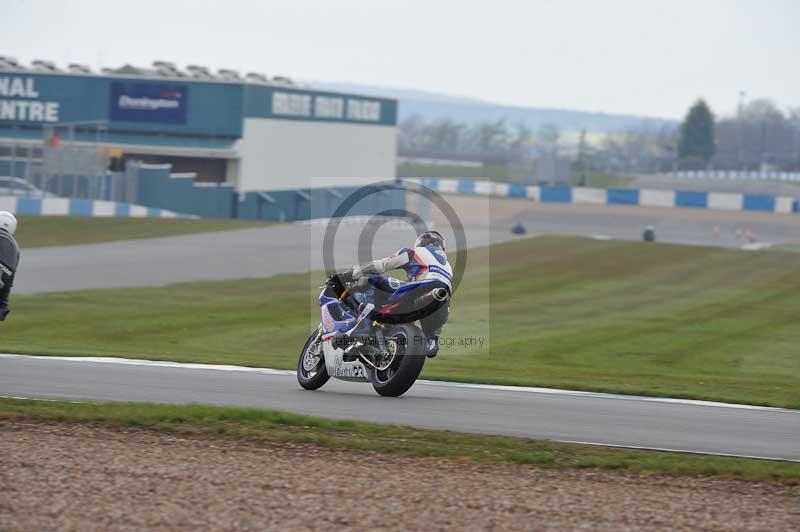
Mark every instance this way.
x=311 y=370
x=406 y=345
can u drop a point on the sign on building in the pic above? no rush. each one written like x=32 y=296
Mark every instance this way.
x=20 y=101
x=148 y=102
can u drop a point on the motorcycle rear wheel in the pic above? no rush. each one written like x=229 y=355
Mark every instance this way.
x=314 y=377
x=409 y=358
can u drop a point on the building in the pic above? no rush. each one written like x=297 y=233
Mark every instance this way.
x=212 y=144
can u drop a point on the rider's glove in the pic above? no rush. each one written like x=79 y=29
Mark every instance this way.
x=346 y=276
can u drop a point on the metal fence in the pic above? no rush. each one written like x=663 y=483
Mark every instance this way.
x=69 y=161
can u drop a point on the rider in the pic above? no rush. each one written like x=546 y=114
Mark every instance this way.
x=425 y=296
x=9 y=259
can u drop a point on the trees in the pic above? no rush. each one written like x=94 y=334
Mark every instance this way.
x=643 y=148
x=696 y=137
x=760 y=135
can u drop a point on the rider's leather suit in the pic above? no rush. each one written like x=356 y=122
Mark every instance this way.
x=427 y=269
x=9 y=260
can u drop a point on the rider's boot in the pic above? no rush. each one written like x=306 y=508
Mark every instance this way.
x=432 y=346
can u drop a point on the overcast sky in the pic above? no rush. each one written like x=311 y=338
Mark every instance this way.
x=627 y=56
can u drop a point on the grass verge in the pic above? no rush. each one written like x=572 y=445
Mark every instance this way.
x=787 y=248
x=270 y=426
x=662 y=320
x=41 y=231
x=600 y=180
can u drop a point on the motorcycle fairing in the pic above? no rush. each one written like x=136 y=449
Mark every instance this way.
x=339 y=368
x=337 y=317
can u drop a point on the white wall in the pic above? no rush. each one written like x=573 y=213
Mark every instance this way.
x=657 y=198
x=725 y=201
x=784 y=204
x=289 y=154
x=595 y=196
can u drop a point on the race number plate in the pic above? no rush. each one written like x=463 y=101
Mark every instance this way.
x=337 y=367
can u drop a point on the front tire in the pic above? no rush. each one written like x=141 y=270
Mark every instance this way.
x=311 y=370
x=409 y=358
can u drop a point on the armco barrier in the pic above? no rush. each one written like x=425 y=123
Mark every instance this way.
x=691 y=198
x=624 y=196
x=22 y=206
x=737 y=175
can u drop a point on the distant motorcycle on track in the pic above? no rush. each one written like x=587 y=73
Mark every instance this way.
x=352 y=343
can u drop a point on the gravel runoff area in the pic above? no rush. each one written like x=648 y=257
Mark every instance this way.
x=81 y=477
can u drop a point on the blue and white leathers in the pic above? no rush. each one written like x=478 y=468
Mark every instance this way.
x=421 y=264
x=428 y=263
x=426 y=267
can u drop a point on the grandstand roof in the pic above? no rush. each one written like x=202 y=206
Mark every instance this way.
x=158 y=70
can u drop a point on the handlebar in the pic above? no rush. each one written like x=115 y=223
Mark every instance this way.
x=338 y=285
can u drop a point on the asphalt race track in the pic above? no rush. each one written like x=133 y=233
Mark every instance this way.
x=703 y=227
x=260 y=252
x=690 y=426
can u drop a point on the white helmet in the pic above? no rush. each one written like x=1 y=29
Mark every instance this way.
x=8 y=222
x=429 y=238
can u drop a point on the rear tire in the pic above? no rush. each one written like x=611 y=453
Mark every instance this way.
x=407 y=365
x=314 y=377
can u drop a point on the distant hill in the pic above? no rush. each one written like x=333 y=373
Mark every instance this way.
x=433 y=105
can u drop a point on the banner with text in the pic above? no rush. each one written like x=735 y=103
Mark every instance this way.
x=148 y=102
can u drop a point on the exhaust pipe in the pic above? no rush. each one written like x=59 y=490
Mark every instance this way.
x=437 y=294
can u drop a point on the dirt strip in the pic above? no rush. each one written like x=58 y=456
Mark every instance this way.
x=79 y=477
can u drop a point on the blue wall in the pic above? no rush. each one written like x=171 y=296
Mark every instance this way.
x=555 y=195
x=757 y=202
x=688 y=198
x=156 y=188
x=622 y=196
x=305 y=204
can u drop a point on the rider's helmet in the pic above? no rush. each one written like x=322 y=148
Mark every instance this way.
x=8 y=222
x=430 y=238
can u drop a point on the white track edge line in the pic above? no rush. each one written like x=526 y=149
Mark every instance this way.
x=495 y=387
x=683 y=451
x=155 y=363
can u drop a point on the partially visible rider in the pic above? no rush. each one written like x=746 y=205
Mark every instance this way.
x=9 y=259
x=426 y=295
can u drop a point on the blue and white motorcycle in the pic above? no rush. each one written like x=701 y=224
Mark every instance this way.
x=352 y=343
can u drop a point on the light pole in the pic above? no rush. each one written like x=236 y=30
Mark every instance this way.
x=739 y=126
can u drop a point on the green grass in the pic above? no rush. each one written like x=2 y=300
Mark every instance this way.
x=623 y=317
x=39 y=231
x=787 y=248
x=271 y=427
x=504 y=174
x=495 y=172
x=452 y=171
x=600 y=180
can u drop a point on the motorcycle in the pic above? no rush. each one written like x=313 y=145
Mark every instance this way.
x=354 y=343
